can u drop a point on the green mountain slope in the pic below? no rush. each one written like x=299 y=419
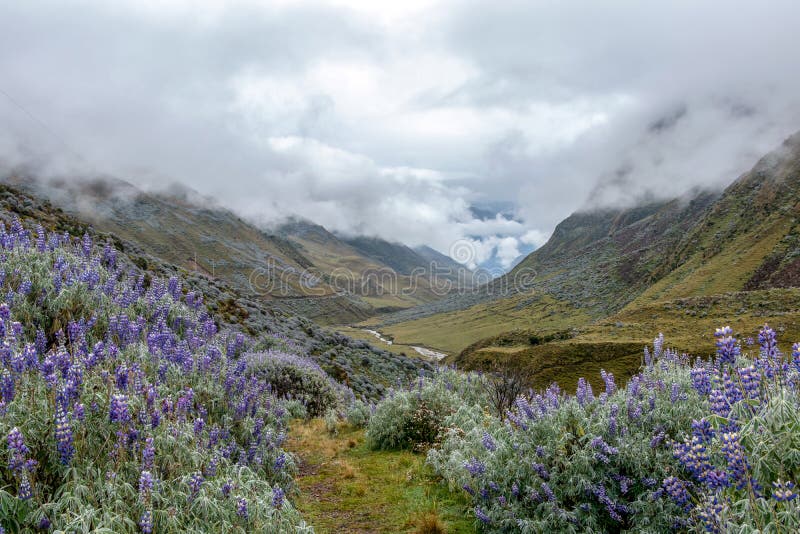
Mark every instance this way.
x=299 y=267
x=388 y=276
x=607 y=280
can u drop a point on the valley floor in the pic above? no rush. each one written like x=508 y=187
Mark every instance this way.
x=346 y=487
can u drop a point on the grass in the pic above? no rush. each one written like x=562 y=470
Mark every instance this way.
x=359 y=333
x=346 y=487
x=616 y=343
x=454 y=331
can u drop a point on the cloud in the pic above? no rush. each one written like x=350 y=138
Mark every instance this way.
x=396 y=120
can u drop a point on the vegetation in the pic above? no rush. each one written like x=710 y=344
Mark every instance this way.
x=690 y=445
x=345 y=486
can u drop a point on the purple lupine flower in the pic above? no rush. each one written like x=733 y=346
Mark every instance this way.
x=7 y=386
x=783 y=491
x=277 y=497
x=737 y=461
x=482 y=516
x=211 y=468
x=16 y=444
x=145 y=485
x=44 y=523
x=608 y=378
x=677 y=490
x=146 y=522
x=675 y=391
x=475 y=467
x=488 y=442
x=195 y=482
x=118 y=411
x=198 y=426
x=226 y=488
x=584 y=393
x=548 y=492
x=727 y=347
x=751 y=381
x=86 y=245
x=25 y=491
x=612 y=418
x=718 y=403
x=64 y=438
x=241 y=506
x=280 y=462
x=710 y=516
x=79 y=412
x=796 y=356
x=702 y=430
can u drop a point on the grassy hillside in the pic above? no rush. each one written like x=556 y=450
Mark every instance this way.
x=613 y=278
x=386 y=276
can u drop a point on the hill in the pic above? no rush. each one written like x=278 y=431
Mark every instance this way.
x=298 y=267
x=387 y=276
x=608 y=279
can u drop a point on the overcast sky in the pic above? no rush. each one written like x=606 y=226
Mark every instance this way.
x=393 y=118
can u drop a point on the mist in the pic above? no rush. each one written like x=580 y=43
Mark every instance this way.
x=396 y=121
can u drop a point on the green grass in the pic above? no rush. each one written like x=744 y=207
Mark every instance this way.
x=454 y=331
x=359 y=333
x=616 y=343
x=346 y=487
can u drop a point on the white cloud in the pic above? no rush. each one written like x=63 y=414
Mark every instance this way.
x=393 y=119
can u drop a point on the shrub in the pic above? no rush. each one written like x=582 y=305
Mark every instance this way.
x=358 y=413
x=294 y=377
x=414 y=418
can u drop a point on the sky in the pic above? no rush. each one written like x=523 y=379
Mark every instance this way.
x=397 y=119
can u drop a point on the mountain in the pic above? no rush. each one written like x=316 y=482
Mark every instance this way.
x=298 y=267
x=366 y=369
x=388 y=276
x=607 y=279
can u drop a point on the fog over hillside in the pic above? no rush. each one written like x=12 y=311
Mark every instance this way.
x=397 y=120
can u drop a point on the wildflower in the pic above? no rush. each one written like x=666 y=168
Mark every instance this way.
x=676 y=489
x=64 y=437
x=118 y=411
x=277 y=497
x=584 y=393
x=280 y=462
x=24 y=492
x=146 y=522
x=226 y=488
x=7 y=386
x=195 y=482
x=199 y=424
x=727 y=346
x=710 y=516
x=751 y=381
x=488 y=442
x=475 y=466
x=482 y=516
x=241 y=508
x=734 y=454
x=783 y=491
x=145 y=484
x=608 y=378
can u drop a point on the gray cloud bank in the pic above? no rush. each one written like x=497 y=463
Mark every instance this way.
x=395 y=120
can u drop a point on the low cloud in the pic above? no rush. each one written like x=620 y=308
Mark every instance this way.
x=396 y=122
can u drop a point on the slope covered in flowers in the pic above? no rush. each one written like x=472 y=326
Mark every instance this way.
x=700 y=446
x=123 y=408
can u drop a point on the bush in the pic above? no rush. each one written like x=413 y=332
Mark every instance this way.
x=294 y=377
x=414 y=418
x=358 y=414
